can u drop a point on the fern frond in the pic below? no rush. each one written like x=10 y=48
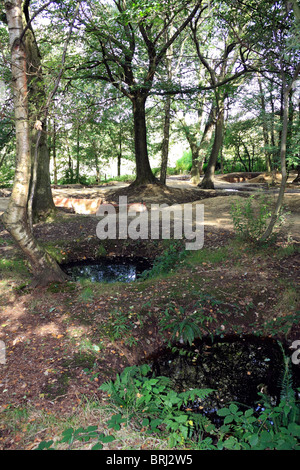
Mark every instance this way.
x=196 y=393
x=287 y=392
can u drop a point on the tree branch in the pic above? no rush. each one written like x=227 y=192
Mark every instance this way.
x=177 y=32
x=30 y=20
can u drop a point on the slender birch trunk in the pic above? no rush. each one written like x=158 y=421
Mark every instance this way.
x=284 y=132
x=15 y=218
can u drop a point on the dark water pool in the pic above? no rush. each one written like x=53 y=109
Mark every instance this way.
x=237 y=369
x=107 y=269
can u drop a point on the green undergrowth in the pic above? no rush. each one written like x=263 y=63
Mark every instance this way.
x=185 y=307
x=14 y=271
x=252 y=216
x=150 y=404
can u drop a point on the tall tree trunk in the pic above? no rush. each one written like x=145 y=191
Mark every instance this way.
x=167 y=109
x=248 y=155
x=199 y=149
x=70 y=171
x=290 y=120
x=238 y=153
x=54 y=153
x=222 y=161
x=95 y=153
x=166 y=140
x=195 y=171
x=206 y=138
x=120 y=151
x=77 y=155
x=192 y=134
x=2 y=159
x=265 y=126
x=297 y=179
x=144 y=173
x=42 y=203
x=119 y=163
x=284 y=133
x=208 y=179
x=273 y=142
x=41 y=200
x=15 y=218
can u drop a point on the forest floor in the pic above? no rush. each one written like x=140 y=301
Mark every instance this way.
x=62 y=343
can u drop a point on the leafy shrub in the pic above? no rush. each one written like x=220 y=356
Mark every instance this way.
x=166 y=261
x=120 y=325
x=156 y=171
x=122 y=178
x=6 y=176
x=183 y=326
x=184 y=164
x=156 y=406
x=171 y=171
x=154 y=403
x=72 y=437
x=250 y=218
x=275 y=428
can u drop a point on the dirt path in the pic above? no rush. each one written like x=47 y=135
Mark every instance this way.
x=217 y=203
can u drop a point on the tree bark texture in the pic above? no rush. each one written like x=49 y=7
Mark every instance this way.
x=265 y=127
x=166 y=141
x=54 y=152
x=41 y=199
x=208 y=179
x=144 y=173
x=284 y=133
x=15 y=218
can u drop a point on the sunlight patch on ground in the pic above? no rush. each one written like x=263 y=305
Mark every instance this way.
x=48 y=329
x=77 y=331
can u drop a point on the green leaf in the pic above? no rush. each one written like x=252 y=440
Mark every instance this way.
x=253 y=440
x=248 y=413
x=224 y=429
x=232 y=443
x=294 y=429
x=97 y=446
x=228 y=419
x=223 y=412
x=233 y=408
x=67 y=434
x=45 y=445
x=91 y=428
x=154 y=423
x=181 y=418
x=108 y=438
x=116 y=421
